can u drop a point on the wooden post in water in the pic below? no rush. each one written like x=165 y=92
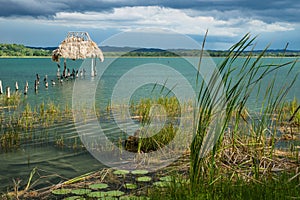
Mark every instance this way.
x=17 y=86
x=95 y=63
x=8 y=92
x=58 y=73
x=1 y=88
x=26 y=88
x=92 y=68
x=36 y=86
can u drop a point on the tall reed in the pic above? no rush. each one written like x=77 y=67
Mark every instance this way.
x=219 y=102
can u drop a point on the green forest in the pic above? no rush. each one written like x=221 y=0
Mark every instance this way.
x=21 y=50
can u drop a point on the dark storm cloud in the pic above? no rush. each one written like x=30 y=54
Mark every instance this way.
x=269 y=10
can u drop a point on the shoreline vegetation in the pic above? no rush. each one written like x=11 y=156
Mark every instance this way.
x=21 y=51
x=234 y=153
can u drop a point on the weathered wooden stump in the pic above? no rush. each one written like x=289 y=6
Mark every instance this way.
x=1 y=88
x=8 y=92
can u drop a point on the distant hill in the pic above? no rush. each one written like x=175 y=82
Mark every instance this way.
x=21 y=50
x=44 y=48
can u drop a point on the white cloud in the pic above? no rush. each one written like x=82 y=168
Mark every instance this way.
x=127 y=18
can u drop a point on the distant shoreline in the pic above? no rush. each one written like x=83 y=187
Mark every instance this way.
x=25 y=57
x=49 y=57
x=21 y=51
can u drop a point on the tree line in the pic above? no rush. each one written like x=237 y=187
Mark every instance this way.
x=21 y=50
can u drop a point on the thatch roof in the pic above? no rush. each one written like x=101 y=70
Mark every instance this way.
x=77 y=45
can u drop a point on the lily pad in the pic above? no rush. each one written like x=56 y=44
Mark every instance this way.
x=97 y=194
x=140 y=172
x=144 y=179
x=130 y=186
x=74 y=198
x=121 y=172
x=61 y=191
x=115 y=193
x=98 y=186
x=81 y=191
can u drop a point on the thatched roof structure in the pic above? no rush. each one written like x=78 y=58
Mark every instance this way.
x=77 y=45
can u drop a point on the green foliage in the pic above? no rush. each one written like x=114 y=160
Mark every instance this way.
x=281 y=187
x=21 y=50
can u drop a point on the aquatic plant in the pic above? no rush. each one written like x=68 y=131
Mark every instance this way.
x=98 y=186
x=121 y=172
x=13 y=101
x=130 y=186
x=144 y=179
x=221 y=121
x=61 y=191
x=140 y=172
x=22 y=122
x=81 y=191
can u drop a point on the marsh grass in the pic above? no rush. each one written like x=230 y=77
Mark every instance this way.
x=13 y=101
x=18 y=125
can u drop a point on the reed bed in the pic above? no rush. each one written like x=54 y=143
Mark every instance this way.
x=18 y=124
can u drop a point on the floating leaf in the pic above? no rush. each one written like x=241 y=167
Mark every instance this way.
x=140 y=172
x=144 y=179
x=98 y=186
x=121 y=172
x=81 y=191
x=75 y=198
x=114 y=193
x=97 y=194
x=130 y=186
x=61 y=191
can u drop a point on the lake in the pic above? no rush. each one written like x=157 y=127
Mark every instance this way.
x=141 y=78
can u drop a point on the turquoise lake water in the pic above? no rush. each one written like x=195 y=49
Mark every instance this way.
x=68 y=163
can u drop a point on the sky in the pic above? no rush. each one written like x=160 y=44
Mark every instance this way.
x=43 y=23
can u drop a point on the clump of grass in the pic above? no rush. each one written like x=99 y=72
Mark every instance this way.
x=142 y=109
x=9 y=140
x=14 y=100
x=163 y=114
x=290 y=113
